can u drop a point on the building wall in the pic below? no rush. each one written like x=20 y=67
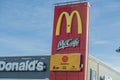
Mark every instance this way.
x=92 y=64
x=108 y=72
x=101 y=71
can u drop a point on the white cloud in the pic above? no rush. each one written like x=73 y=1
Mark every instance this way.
x=24 y=46
x=100 y=42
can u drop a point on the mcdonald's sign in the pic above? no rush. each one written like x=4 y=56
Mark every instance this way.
x=69 y=19
x=70 y=36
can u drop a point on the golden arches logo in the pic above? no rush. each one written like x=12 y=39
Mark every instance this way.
x=69 y=22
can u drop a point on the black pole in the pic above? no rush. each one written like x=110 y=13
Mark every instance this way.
x=118 y=50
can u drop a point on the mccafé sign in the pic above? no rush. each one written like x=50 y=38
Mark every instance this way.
x=69 y=19
x=34 y=65
x=62 y=44
x=68 y=43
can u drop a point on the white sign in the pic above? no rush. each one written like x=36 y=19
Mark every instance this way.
x=34 y=65
x=68 y=43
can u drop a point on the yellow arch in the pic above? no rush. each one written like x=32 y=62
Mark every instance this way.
x=69 y=22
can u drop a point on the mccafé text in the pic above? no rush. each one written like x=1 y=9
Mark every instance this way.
x=68 y=43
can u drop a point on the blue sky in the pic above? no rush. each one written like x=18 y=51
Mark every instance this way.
x=26 y=28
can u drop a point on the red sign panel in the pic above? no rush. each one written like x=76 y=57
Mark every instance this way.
x=70 y=35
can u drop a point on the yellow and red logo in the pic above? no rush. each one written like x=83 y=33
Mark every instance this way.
x=69 y=19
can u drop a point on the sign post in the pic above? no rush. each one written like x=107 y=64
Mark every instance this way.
x=70 y=39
